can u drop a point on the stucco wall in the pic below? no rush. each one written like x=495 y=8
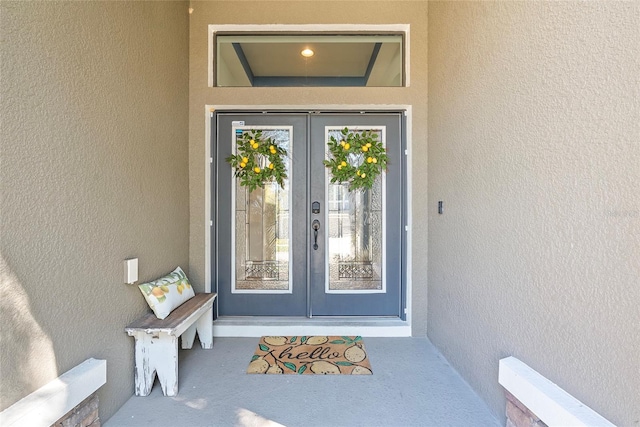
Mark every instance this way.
x=310 y=12
x=94 y=170
x=534 y=147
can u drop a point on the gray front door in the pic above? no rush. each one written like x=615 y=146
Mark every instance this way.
x=309 y=247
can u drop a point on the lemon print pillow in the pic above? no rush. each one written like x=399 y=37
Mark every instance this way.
x=167 y=293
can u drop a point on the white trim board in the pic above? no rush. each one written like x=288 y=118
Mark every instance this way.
x=275 y=326
x=211 y=108
x=54 y=400
x=553 y=405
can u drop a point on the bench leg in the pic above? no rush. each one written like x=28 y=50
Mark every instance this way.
x=204 y=325
x=156 y=354
x=167 y=363
x=188 y=337
x=145 y=374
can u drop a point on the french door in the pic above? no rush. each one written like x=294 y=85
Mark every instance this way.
x=309 y=247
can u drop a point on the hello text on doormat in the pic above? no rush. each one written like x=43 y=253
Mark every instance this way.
x=310 y=355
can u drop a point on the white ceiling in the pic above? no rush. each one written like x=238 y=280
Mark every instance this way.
x=330 y=59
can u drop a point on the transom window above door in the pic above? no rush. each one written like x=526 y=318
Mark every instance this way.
x=308 y=58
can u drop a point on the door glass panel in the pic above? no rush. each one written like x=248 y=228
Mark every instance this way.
x=355 y=231
x=263 y=227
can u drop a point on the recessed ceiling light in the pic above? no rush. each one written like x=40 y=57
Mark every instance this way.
x=307 y=53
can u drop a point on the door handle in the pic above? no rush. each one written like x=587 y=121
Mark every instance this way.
x=316 y=226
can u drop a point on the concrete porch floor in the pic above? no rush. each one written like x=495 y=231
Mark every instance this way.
x=412 y=385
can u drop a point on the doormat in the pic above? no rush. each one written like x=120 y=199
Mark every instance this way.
x=310 y=355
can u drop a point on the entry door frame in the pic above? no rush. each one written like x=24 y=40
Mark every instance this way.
x=356 y=108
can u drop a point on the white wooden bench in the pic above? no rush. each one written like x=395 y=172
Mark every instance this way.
x=156 y=342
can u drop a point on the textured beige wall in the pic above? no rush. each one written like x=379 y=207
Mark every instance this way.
x=310 y=12
x=94 y=114
x=534 y=147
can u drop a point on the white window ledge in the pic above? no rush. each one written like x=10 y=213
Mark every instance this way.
x=553 y=405
x=51 y=402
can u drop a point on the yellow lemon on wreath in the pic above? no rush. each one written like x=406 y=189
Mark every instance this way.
x=245 y=160
x=347 y=146
x=363 y=175
x=270 y=165
x=368 y=145
x=256 y=169
x=339 y=167
x=365 y=148
x=343 y=164
x=358 y=173
x=342 y=143
x=271 y=147
x=369 y=159
x=253 y=141
x=243 y=164
x=374 y=160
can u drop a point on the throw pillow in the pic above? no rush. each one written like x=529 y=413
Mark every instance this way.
x=167 y=293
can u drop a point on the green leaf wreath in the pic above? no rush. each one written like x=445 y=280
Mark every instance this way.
x=258 y=160
x=357 y=159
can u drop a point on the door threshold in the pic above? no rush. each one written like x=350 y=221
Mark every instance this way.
x=232 y=326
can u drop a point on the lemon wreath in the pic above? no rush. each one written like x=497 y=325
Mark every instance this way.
x=258 y=161
x=357 y=159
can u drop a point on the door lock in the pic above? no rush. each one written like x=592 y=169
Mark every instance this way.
x=316 y=226
x=315 y=207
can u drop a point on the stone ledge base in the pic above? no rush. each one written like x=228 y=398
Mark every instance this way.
x=83 y=415
x=519 y=415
